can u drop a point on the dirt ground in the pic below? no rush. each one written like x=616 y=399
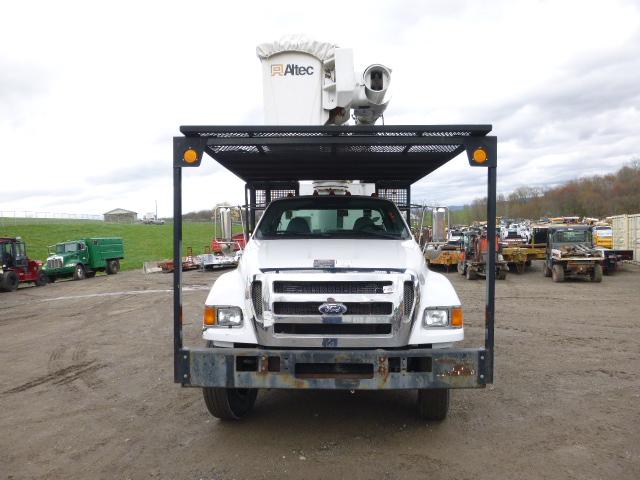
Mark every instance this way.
x=86 y=391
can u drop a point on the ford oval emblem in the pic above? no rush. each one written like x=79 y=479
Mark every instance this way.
x=332 y=308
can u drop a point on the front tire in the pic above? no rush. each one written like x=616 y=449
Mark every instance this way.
x=546 y=270
x=557 y=273
x=596 y=274
x=42 y=280
x=229 y=403
x=433 y=404
x=79 y=273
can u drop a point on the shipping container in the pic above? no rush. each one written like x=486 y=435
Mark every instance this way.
x=626 y=233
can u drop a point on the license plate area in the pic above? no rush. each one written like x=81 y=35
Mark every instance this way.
x=334 y=370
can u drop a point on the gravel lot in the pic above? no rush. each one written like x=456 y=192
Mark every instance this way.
x=86 y=392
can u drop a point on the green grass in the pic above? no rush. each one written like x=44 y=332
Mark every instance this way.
x=142 y=243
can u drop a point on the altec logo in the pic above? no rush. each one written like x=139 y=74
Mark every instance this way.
x=290 y=69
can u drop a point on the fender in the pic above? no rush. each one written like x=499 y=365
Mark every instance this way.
x=435 y=291
x=230 y=289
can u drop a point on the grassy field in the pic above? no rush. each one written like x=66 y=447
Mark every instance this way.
x=142 y=243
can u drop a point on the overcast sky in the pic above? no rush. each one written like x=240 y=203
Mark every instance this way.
x=92 y=92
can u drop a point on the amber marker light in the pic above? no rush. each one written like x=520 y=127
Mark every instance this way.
x=480 y=155
x=190 y=156
x=456 y=317
x=209 y=318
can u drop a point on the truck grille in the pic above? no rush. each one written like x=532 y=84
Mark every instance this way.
x=330 y=287
x=256 y=298
x=353 y=308
x=54 y=263
x=333 y=328
x=408 y=297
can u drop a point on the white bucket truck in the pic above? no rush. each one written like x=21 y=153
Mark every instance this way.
x=332 y=290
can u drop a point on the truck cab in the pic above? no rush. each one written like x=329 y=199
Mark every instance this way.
x=334 y=271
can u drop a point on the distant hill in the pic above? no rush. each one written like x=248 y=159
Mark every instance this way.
x=595 y=196
x=142 y=243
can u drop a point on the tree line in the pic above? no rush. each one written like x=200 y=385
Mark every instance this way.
x=596 y=196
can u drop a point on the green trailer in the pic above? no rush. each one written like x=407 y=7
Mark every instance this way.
x=83 y=258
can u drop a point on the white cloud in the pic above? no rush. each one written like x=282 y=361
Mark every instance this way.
x=91 y=94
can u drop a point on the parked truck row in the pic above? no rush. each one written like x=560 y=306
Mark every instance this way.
x=568 y=248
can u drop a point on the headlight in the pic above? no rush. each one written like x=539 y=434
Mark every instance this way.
x=436 y=318
x=443 y=317
x=222 y=316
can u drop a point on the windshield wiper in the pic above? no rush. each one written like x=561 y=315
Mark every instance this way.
x=294 y=234
x=365 y=234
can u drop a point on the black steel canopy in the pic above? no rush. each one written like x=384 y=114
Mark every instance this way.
x=399 y=153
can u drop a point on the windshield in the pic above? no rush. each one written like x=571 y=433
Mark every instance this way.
x=66 y=247
x=572 y=236
x=332 y=217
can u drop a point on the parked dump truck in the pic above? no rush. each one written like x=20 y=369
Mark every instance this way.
x=332 y=290
x=16 y=267
x=571 y=253
x=82 y=258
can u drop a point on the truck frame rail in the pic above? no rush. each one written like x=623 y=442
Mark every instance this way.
x=272 y=160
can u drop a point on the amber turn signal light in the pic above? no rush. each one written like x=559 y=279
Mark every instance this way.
x=209 y=318
x=456 y=317
x=480 y=155
x=190 y=156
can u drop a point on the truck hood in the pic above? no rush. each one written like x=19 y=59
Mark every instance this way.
x=347 y=253
x=63 y=256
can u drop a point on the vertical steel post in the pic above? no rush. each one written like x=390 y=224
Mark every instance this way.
x=246 y=214
x=408 y=190
x=491 y=271
x=177 y=272
x=252 y=209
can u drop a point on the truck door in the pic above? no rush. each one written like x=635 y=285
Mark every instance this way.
x=20 y=256
x=83 y=253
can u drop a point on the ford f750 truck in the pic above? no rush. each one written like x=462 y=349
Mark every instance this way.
x=332 y=291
